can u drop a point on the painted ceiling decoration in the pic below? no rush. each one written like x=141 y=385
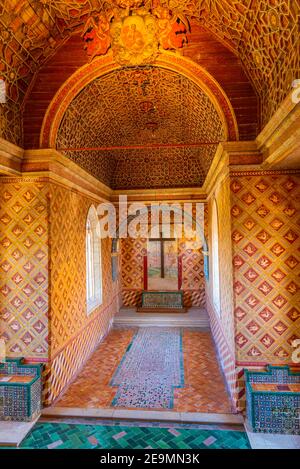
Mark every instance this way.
x=145 y=81
x=263 y=33
x=147 y=105
x=135 y=33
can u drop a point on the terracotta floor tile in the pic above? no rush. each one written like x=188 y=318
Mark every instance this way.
x=204 y=389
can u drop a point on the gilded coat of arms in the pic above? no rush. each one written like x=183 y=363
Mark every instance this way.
x=135 y=34
x=134 y=38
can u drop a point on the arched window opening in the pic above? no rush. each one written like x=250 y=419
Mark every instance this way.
x=215 y=259
x=93 y=262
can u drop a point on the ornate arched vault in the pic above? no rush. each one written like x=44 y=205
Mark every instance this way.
x=263 y=33
x=142 y=106
x=150 y=126
x=139 y=105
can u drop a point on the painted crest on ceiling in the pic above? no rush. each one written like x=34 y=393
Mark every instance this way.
x=134 y=33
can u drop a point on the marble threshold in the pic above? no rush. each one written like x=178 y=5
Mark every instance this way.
x=145 y=415
x=13 y=433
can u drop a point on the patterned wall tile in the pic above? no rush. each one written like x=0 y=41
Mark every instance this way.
x=132 y=271
x=24 y=213
x=132 y=255
x=222 y=325
x=73 y=334
x=266 y=248
x=42 y=231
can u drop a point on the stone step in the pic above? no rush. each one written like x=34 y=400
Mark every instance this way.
x=142 y=415
x=152 y=320
x=195 y=317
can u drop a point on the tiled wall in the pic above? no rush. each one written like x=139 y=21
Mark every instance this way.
x=73 y=334
x=258 y=235
x=259 y=238
x=43 y=315
x=24 y=206
x=265 y=212
x=266 y=246
x=132 y=271
x=222 y=324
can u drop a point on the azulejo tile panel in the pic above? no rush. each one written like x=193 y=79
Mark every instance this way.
x=44 y=223
x=273 y=400
x=132 y=254
x=266 y=246
x=20 y=393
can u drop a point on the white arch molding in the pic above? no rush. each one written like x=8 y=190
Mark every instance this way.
x=215 y=259
x=93 y=261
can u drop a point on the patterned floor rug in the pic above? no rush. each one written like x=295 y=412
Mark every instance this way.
x=150 y=370
x=122 y=436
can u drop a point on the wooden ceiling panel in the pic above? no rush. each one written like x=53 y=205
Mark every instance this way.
x=262 y=34
x=71 y=56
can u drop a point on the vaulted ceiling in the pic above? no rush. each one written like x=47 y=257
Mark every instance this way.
x=251 y=48
x=139 y=104
x=147 y=104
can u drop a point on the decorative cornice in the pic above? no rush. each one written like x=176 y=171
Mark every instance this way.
x=166 y=195
x=261 y=172
x=10 y=158
x=227 y=156
x=264 y=364
x=279 y=142
x=275 y=124
x=19 y=179
x=58 y=168
x=218 y=170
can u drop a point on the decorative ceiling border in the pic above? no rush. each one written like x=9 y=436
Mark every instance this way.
x=262 y=172
x=103 y=65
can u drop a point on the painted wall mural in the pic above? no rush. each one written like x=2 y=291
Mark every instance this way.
x=266 y=245
x=24 y=282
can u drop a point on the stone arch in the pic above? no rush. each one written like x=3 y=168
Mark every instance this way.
x=115 y=241
x=103 y=65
